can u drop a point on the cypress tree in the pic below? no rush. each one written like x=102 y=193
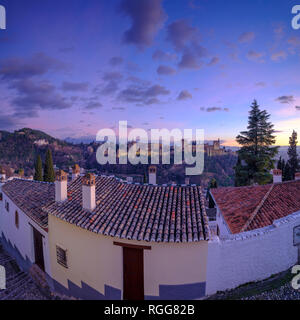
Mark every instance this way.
x=49 y=175
x=279 y=164
x=287 y=175
x=256 y=151
x=38 y=169
x=293 y=156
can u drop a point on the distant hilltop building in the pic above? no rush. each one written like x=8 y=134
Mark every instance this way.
x=41 y=142
x=214 y=149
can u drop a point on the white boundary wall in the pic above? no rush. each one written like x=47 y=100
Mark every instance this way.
x=251 y=256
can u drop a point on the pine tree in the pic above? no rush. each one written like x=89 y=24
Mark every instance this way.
x=38 y=169
x=279 y=164
x=241 y=174
x=49 y=175
x=256 y=151
x=287 y=175
x=293 y=156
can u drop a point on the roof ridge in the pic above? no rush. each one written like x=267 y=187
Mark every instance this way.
x=253 y=215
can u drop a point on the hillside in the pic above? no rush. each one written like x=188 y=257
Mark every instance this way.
x=19 y=149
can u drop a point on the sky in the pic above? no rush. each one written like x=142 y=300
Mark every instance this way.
x=73 y=67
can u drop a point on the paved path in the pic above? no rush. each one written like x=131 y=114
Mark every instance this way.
x=19 y=285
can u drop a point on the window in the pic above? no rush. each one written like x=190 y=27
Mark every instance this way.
x=61 y=256
x=7 y=206
x=17 y=219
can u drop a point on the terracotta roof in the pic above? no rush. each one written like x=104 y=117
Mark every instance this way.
x=137 y=212
x=30 y=196
x=249 y=208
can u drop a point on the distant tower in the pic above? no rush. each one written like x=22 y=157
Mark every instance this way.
x=217 y=144
x=152 y=175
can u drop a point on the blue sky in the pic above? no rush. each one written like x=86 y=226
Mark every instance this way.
x=72 y=67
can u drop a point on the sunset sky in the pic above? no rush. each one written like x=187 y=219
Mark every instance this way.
x=72 y=67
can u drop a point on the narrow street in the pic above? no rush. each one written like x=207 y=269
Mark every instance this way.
x=19 y=285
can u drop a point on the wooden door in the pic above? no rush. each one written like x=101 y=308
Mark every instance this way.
x=133 y=273
x=38 y=249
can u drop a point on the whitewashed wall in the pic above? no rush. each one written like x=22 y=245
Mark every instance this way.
x=250 y=256
x=22 y=237
x=223 y=227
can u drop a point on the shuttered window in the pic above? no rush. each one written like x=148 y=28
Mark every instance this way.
x=61 y=256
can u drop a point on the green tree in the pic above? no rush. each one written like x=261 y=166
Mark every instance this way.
x=256 y=153
x=38 y=169
x=293 y=156
x=287 y=174
x=213 y=183
x=241 y=173
x=49 y=175
x=279 y=164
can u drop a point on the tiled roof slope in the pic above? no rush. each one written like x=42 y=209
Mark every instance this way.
x=137 y=212
x=30 y=196
x=238 y=204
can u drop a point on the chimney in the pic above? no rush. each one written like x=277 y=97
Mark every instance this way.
x=61 y=186
x=277 y=175
x=2 y=174
x=297 y=176
x=152 y=175
x=129 y=179
x=89 y=192
x=75 y=171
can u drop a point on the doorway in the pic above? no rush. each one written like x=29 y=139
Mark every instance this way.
x=133 y=273
x=38 y=249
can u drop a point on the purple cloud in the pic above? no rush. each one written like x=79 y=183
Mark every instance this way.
x=147 y=18
x=254 y=55
x=143 y=94
x=34 y=96
x=246 y=37
x=180 y=33
x=165 y=70
x=213 y=61
x=214 y=109
x=115 y=61
x=184 y=95
x=280 y=55
x=38 y=65
x=285 y=99
x=164 y=56
x=189 y=61
x=93 y=105
x=75 y=86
